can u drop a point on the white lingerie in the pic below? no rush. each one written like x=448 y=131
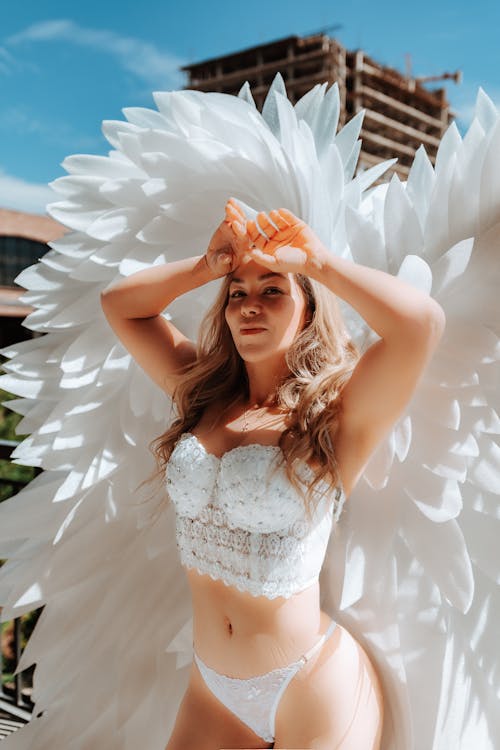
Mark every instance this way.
x=240 y=520
x=255 y=700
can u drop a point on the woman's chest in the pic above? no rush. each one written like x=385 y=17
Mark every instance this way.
x=220 y=436
x=246 y=488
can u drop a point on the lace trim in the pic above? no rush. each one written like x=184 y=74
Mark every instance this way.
x=271 y=565
x=239 y=521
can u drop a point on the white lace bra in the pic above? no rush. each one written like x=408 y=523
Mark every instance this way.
x=240 y=520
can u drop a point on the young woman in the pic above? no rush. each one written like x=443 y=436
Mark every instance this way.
x=277 y=417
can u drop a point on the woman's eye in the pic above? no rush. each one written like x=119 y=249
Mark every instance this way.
x=270 y=290
x=273 y=290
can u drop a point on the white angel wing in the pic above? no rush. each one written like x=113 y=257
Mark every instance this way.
x=82 y=539
x=419 y=543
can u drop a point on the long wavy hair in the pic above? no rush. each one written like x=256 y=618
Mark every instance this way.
x=320 y=361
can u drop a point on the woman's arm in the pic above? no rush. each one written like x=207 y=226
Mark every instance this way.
x=409 y=322
x=133 y=305
x=147 y=293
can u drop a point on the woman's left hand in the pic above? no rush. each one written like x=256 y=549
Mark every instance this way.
x=291 y=245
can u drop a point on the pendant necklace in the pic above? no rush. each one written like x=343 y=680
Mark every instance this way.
x=256 y=407
x=246 y=424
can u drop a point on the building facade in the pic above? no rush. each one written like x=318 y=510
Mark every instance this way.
x=400 y=113
x=24 y=240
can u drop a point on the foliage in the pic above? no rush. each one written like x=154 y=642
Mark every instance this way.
x=15 y=473
x=10 y=472
x=28 y=622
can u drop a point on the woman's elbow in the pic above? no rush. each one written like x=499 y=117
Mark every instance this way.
x=111 y=292
x=437 y=320
x=431 y=323
x=108 y=299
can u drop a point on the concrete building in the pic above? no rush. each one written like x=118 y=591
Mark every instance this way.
x=400 y=112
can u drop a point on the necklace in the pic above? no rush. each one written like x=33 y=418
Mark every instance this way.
x=246 y=425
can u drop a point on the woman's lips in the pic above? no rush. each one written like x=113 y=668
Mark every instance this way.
x=251 y=331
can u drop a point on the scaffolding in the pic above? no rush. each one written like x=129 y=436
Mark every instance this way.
x=400 y=113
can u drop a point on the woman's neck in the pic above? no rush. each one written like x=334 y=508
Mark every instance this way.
x=263 y=384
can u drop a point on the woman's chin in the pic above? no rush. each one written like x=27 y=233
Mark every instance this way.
x=255 y=354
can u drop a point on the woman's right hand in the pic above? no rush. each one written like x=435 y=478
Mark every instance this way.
x=229 y=242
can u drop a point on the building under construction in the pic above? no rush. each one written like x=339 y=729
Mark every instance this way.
x=401 y=114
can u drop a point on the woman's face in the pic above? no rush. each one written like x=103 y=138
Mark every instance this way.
x=265 y=311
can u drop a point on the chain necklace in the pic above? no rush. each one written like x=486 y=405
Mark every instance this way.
x=245 y=422
x=246 y=425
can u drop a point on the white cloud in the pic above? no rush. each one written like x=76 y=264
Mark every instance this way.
x=43 y=30
x=19 y=195
x=142 y=58
x=23 y=120
x=6 y=61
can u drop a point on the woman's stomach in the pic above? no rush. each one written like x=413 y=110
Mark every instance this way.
x=241 y=635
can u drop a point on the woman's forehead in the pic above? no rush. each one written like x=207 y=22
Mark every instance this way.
x=255 y=272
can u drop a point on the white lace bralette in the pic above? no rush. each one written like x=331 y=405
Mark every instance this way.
x=240 y=520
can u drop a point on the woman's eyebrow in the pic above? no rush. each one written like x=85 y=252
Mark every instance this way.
x=260 y=278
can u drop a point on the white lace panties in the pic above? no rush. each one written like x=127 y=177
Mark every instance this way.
x=255 y=700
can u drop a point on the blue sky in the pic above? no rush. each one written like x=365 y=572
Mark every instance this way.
x=66 y=66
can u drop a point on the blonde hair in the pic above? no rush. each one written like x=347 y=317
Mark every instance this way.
x=320 y=362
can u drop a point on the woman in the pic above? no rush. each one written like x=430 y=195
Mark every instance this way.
x=271 y=668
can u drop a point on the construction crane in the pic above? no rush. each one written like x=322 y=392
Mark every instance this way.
x=456 y=76
x=325 y=30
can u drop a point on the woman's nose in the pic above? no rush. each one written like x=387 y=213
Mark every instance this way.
x=250 y=305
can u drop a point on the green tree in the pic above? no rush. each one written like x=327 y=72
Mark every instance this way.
x=10 y=472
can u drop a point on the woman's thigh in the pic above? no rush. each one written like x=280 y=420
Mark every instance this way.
x=334 y=702
x=204 y=723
